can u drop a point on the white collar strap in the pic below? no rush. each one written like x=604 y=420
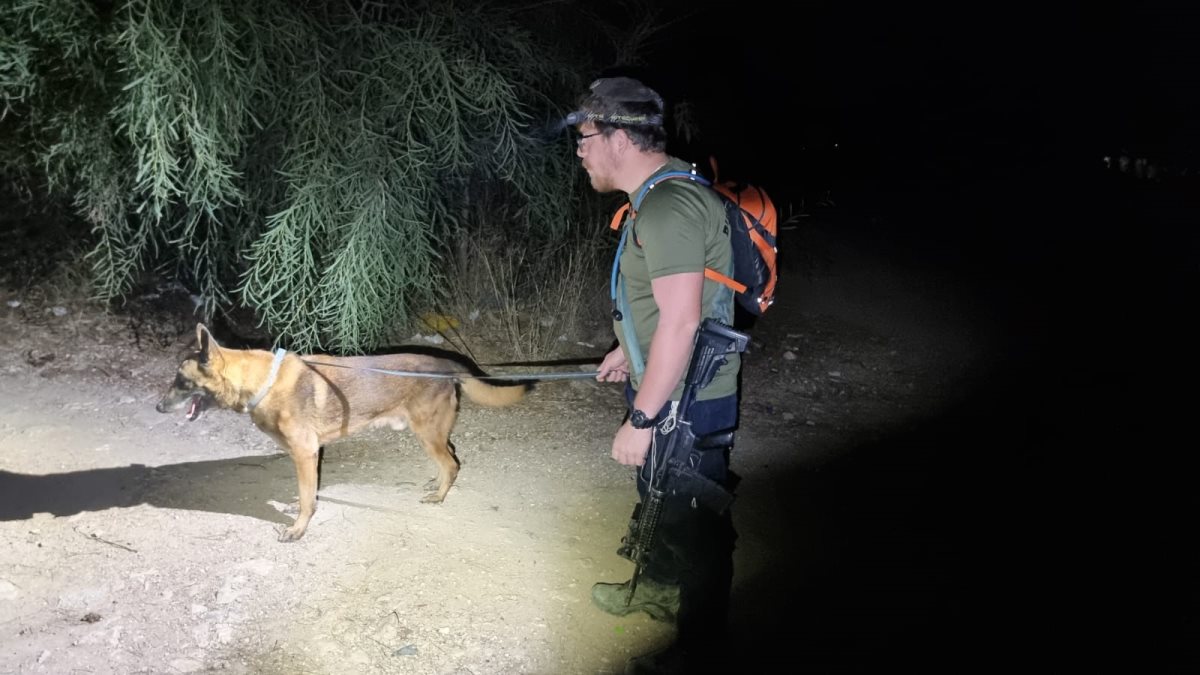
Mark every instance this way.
x=262 y=391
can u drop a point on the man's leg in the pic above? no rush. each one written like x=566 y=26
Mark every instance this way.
x=704 y=544
x=699 y=545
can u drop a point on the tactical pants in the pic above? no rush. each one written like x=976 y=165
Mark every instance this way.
x=695 y=546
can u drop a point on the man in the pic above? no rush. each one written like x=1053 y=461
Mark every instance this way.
x=660 y=298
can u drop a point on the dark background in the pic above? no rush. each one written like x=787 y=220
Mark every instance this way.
x=970 y=139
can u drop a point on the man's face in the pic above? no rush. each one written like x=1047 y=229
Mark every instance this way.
x=598 y=159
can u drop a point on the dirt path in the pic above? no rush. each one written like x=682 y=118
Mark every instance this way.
x=135 y=542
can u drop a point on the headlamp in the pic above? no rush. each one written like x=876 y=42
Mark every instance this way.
x=581 y=116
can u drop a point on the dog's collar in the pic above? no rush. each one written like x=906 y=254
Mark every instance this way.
x=262 y=391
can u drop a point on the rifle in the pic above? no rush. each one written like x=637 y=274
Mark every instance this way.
x=679 y=475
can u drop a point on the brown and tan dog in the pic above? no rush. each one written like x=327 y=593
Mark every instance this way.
x=303 y=405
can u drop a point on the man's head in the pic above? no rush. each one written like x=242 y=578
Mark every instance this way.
x=620 y=126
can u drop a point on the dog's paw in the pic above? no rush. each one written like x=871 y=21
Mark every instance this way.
x=292 y=533
x=434 y=498
x=432 y=485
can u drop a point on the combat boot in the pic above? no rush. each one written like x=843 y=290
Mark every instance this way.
x=660 y=601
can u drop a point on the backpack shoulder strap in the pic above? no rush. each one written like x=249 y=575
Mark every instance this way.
x=670 y=175
x=620 y=304
x=629 y=209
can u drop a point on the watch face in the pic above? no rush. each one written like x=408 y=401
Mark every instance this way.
x=639 y=420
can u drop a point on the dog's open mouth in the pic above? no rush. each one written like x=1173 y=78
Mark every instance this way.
x=196 y=406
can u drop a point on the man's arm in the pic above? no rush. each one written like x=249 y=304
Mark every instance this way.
x=678 y=298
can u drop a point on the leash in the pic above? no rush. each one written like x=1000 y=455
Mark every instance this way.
x=456 y=376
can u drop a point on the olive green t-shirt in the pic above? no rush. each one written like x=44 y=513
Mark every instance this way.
x=680 y=227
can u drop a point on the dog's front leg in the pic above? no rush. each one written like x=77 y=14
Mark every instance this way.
x=305 y=455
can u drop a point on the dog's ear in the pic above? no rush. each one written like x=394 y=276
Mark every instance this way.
x=207 y=344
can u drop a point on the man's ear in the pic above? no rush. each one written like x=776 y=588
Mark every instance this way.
x=621 y=139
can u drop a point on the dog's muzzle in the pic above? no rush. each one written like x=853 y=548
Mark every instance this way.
x=196 y=405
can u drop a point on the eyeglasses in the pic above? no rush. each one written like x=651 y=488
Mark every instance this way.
x=582 y=137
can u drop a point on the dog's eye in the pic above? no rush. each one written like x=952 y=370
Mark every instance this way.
x=182 y=382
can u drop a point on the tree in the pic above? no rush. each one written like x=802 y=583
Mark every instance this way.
x=310 y=160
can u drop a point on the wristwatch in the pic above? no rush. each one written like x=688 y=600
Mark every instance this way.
x=638 y=420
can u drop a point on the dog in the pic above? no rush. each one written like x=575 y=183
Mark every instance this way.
x=305 y=401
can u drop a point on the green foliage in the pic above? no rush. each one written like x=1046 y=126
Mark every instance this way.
x=309 y=160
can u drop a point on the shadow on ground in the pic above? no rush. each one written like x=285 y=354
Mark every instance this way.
x=913 y=550
x=1041 y=523
x=237 y=486
x=240 y=486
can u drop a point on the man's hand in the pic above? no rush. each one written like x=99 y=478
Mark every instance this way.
x=631 y=445
x=613 y=368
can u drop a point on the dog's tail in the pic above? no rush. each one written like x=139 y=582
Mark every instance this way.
x=493 y=395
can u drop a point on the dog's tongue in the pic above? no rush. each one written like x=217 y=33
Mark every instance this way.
x=194 y=406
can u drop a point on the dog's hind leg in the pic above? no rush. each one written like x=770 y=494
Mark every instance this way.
x=306 y=453
x=433 y=431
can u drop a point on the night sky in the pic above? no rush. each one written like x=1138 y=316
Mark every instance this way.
x=930 y=98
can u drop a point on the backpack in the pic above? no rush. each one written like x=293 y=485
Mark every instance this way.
x=753 y=227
